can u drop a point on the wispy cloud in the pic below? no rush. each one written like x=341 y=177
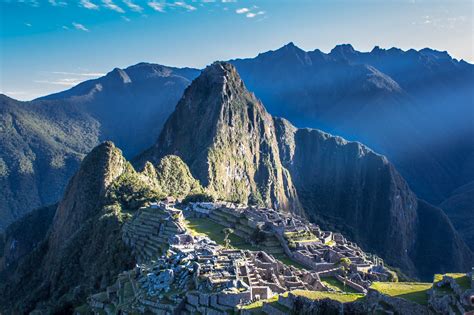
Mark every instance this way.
x=228 y=1
x=109 y=4
x=28 y=24
x=133 y=6
x=33 y=3
x=184 y=5
x=82 y=74
x=242 y=10
x=56 y=3
x=64 y=82
x=80 y=27
x=250 y=12
x=156 y=6
x=88 y=5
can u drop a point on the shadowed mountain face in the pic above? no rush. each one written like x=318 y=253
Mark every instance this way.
x=416 y=107
x=459 y=207
x=43 y=141
x=228 y=140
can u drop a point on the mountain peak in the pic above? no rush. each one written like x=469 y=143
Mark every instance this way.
x=343 y=49
x=84 y=192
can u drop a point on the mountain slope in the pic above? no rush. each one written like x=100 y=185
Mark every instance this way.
x=42 y=145
x=343 y=185
x=227 y=138
x=83 y=250
x=347 y=187
x=459 y=207
x=43 y=141
x=397 y=102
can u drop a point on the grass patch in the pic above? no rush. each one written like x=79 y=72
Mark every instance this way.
x=258 y=304
x=337 y=296
x=337 y=285
x=461 y=279
x=412 y=291
x=204 y=226
x=288 y=261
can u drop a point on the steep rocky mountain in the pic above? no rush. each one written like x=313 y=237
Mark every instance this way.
x=416 y=107
x=228 y=140
x=82 y=250
x=459 y=207
x=43 y=141
x=347 y=187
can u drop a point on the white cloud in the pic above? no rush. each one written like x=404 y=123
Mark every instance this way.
x=56 y=3
x=126 y=19
x=133 y=6
x=156 y=6
x=28 y=24
x=65 y=27
x=252 y=14
x=82 y=74
x=184 y=5
x=89 y=5
x=65 y=82
x=228 y=1
x=109 y=4
x=242 y=10
x=33 y=3
x=80 y=27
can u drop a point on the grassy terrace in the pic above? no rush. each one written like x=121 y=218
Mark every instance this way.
x=412 y=291
x=313 y=295
x=337 y=285
x=204 y=226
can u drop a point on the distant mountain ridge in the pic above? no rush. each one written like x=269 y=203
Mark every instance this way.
x=397 y=102
x=44 y=141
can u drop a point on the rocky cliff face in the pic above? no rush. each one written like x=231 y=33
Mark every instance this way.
x=347 y=187
x=459 y=207
x=228 y=140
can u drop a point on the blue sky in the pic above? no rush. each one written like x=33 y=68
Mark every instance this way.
x=48 y=46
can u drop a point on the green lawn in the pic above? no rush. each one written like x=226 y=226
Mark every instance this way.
x=337 y=285
x=337 y=296
x=213 y=230
x=412 y=291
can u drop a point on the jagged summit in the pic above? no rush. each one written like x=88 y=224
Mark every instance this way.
x=225 y=135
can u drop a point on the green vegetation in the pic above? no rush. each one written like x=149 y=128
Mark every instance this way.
x=131 y=191
x=461 y=279
x=319 y=295
x=288 y=261
x=175 y=179
x=214 y=231
x=337 y=285
x=412 y=291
